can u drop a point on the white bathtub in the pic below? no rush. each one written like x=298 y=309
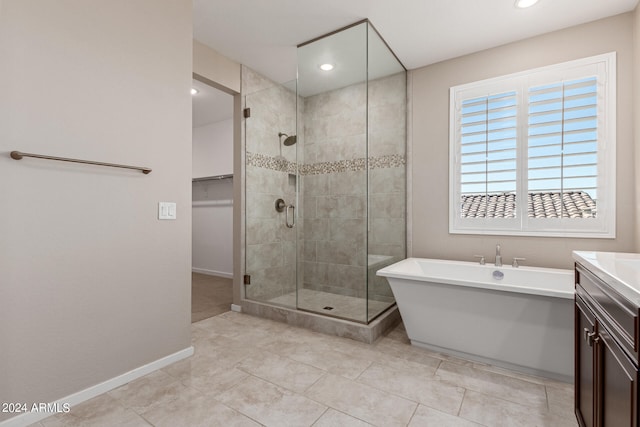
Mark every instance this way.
x=523 y=321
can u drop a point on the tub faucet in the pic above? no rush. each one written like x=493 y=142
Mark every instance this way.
x=498 y=256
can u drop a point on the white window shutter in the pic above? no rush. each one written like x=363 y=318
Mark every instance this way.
x=530 y=152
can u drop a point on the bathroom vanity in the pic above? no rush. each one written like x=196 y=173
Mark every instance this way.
x=607 y=308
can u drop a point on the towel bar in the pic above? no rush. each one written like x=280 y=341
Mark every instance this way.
x=17 y=155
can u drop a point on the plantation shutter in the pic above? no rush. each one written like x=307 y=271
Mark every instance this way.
x=563 y=147
x=488 y=140
x=534 y=153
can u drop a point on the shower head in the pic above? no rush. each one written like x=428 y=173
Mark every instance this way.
x=289 y=140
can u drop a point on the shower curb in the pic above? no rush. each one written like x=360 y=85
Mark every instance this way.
x=326 y=325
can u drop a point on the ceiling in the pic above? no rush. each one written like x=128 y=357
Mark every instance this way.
x=356 y=55
x=210 y=105
x=264 y=34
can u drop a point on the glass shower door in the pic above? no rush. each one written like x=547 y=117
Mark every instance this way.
x=271 y=193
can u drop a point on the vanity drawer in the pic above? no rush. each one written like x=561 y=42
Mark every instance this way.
x=619 y=315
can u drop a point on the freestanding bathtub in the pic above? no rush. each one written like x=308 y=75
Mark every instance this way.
x=522 y=321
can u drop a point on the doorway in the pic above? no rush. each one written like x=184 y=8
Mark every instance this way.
x=212 y=202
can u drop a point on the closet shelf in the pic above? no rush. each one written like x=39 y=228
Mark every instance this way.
x=208 y=203
x=213 y=178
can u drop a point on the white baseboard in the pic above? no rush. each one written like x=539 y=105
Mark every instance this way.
x=237 y=308
x=91 y=392
x=212 y=272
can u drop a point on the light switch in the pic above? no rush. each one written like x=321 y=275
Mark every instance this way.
x=166 y=210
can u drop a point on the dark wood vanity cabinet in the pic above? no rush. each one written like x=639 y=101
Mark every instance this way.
x=606 y=354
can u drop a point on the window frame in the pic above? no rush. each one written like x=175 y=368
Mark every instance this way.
x=604 y=225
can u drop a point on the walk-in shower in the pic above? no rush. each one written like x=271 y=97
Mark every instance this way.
x=337 y=172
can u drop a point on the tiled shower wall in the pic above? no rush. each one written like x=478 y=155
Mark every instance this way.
x=332 y=201
x=335 y=186
x=270 y=245
x=387 y=177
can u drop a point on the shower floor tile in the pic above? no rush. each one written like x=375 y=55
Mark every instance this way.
x=342 y=306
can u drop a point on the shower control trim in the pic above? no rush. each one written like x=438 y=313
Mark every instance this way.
x=293 y=216
x=281 y=206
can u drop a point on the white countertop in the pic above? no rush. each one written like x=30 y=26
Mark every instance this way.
x=619 y=270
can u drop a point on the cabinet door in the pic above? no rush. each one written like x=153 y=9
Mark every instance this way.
x=584 y=365
x=618 y=384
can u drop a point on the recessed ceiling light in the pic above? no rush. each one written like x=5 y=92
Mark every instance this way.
x=194 y=91
x=326 y=67
x=525 y=3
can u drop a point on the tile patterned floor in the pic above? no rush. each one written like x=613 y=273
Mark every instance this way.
x=210 y=296
x=248 y=371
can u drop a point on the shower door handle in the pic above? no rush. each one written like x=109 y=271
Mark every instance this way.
x=293 y=216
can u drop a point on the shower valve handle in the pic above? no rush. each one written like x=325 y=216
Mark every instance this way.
x=293 y=216
x=282 y=206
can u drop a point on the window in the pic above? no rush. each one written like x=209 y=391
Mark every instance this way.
x=533 y=153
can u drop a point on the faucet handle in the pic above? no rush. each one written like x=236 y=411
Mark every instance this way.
x=515 y=262
x=481 y=258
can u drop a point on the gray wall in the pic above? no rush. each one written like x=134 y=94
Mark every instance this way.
x=92 y=285
x=430 y=143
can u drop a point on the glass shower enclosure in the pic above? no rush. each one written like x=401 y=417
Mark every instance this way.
x=325 y=176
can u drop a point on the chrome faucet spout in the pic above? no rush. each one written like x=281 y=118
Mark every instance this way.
x=498 y=256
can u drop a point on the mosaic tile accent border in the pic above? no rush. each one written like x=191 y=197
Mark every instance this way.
x=388 y=161
x=272 y=163
x=351 y=165
x=321 y=168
